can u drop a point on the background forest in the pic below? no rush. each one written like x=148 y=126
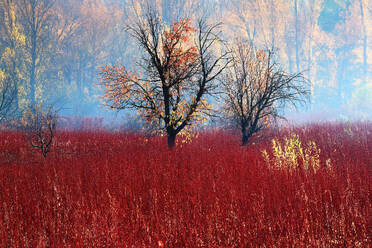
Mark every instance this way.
x=51 y=49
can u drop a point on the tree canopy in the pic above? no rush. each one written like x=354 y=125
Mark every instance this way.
x=179 y=67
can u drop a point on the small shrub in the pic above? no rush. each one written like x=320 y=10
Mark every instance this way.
x=40 y=128
x=292 y=154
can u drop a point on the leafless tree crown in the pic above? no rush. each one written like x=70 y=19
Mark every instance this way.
x=40 y=128
x=257 y=89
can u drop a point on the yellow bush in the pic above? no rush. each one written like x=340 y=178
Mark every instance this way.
x=293 y=154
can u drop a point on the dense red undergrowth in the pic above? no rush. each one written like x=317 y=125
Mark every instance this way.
x=101 y=189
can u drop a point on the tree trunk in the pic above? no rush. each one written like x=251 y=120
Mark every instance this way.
x=309 y=65
x=15 y=80
x=33 y=70
x=364 y=42
x=245 y=136
x=296 y=34
x=171 y=141
x=245 y=140
x=290 y=60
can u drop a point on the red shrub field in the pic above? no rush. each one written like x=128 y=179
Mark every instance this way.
x=305 y=186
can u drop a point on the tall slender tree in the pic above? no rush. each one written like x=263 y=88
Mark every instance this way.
x=36 y=20
x=12 y=50
x=362 y=6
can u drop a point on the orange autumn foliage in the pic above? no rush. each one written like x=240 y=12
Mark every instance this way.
x=131 y=89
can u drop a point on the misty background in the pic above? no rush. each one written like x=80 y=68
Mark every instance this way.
x=51 y=50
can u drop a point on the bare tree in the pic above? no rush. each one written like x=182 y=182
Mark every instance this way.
x=257 y=89
x=40 y=127
x=176 y=73
x=8 y=94
x=35 y=16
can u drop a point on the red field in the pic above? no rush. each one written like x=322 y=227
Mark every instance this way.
x=100 y=189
